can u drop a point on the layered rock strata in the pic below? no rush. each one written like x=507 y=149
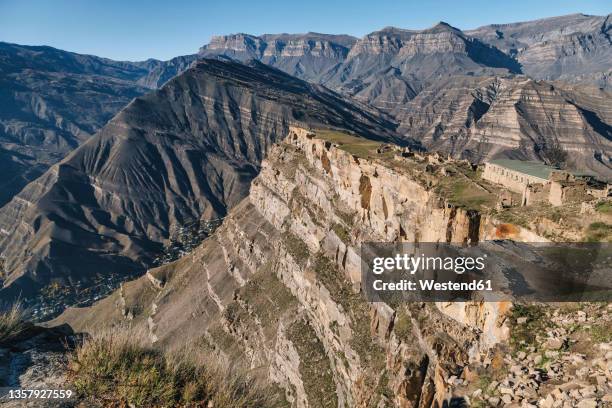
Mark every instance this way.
x=279 y=284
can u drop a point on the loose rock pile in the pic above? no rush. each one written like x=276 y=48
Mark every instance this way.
x=569 y=363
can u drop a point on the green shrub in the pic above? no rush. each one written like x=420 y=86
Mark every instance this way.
x=341 y=232
x=599 y=232
x=604 y=207
x=524 y=334
x=403 y=326
x=296 y=247
x=601 y=333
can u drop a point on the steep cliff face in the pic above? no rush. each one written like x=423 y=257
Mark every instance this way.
x=305 y=56
x=575 y=47
x=480 y=118
x=186 y=151
x=419 y=57
x=278 y=284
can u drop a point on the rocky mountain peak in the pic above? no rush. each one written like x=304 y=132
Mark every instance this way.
x=237 y=43
x=279 y=45
x=306 y=56
x=439 y=38
x=443 y=26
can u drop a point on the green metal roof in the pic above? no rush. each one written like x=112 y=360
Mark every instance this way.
x=531 y=168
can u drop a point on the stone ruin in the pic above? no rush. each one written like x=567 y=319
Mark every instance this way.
x=561 y=188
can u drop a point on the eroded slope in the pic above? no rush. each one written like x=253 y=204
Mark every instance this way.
x=186 y=151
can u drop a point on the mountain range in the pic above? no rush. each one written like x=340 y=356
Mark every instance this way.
x=95 y=184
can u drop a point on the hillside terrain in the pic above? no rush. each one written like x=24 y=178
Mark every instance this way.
x=51 y=101
x=497 y=91
x=184 y=152
x=54 y=100
x=572 y=48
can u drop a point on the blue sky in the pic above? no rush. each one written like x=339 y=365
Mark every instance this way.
x=136 y=30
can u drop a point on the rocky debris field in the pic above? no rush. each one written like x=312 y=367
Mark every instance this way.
x=556 y=357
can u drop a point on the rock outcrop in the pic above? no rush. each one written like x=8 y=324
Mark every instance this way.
x=419 y=57
x=480 y=118
x=305 y=56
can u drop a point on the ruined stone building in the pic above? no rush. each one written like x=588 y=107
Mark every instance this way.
x=537 y=182
x=516 y=175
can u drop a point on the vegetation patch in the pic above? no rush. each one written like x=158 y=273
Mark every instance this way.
x=601 y=333
x=116 y=368
x=299 y=201
x=599 y=232
x=403 y=325
x=342 y=232
x=315 y=367
x=604 y=207
x=268 y=298
x=533 y=320
x=358 y=146
x=222 y=339
x=465 y=193
x=12 y=323
x=358 y=309
x=296 y=247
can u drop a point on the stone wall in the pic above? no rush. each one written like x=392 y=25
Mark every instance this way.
x=536 y=193
x=562 y=192
x=511 y=179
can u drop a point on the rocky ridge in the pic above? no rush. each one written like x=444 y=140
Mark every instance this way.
x=481 y=118
x=316 y=199
x=306 y=56
x=472 y=93
x=387 y=69
x=51 y=102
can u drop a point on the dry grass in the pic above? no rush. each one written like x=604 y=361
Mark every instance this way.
x=358 y=146
x=11 y=322
x=118 y=367
x=599 y=232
